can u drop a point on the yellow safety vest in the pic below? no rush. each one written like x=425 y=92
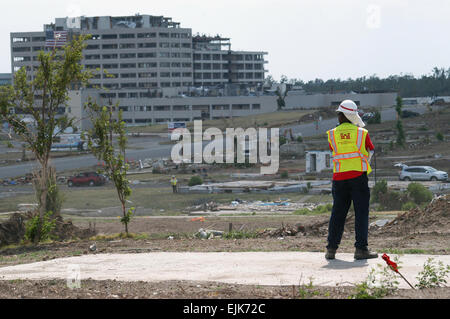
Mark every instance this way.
x=174 y=182
x=348 y=142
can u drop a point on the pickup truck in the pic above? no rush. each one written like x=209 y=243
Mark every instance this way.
x=89 y=178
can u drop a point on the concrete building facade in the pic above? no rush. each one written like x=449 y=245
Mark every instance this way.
x=141 y=60
x=296 y=99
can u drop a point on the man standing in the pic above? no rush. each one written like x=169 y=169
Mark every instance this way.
x=173 y=182
x=352 y=151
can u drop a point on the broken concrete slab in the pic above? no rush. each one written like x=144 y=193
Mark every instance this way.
x=252 y=268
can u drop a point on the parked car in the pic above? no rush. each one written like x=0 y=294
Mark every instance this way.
x=365 y=116
x=89 y=178
x=422 y=173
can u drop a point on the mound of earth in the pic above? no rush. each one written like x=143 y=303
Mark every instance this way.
x=66 y=230
x=13 y=230
x=435 y=217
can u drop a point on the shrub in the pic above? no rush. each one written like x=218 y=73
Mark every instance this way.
x=439 y=136
x=195 y=180
x=409 y=206
x=48 y=225
x=299 y=139
x=376 y=119
x=433 y=275
x=392 y=200
x=419 y=193
x=380 y=187
x=282 y=140
x=284 y=174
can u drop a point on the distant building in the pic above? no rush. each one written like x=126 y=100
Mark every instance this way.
x=317 y=161
x=149 y=58
x=5 y=78
x=300 y=99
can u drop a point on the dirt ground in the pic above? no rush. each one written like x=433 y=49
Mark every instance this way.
x=417 y=231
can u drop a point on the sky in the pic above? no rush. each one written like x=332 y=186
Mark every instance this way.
x=304 y=39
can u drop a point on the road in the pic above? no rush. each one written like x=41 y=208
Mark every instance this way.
x=151 y=148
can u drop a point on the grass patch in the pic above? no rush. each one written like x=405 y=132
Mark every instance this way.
x=321 y=209
x=109 y=237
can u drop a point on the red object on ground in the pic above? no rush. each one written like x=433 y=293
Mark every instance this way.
x=392 y=264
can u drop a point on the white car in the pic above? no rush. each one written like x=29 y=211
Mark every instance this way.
x=422 y=173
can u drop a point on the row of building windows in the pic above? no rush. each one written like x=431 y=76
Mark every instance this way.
x=144 y=75
x=225 y=66
x=168 y=108
x=228 y=57
x=144 y=45
x=173 y=35
x=145 y=85
x=246 y=75
x=140 y=65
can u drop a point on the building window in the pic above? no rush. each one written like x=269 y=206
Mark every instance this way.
x=126 y=36
x=160 y=108
x=109 y=36
x=256 y=106
x=147 y=45
x=127 y=65
x=109 y=46
x=127 y=46
x=147 y=55
x=128 y=55
x=128 y=75
x=241 y=106
x=147 y=35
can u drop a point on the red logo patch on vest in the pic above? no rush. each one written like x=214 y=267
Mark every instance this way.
x=345 y=136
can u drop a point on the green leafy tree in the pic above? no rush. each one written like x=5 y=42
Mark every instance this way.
x=400 y=132
x=107 y=132
x=41 y=99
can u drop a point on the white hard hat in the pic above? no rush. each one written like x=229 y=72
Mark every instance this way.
x=350 y=110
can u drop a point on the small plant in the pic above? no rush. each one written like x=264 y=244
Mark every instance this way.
x=284 y=174
x=46 y=228
x=380 y=282
x=419 y=193
x=299 y=139
x=433 y=275
x=283 y=140
x=379 y=188
x=408 y=206
x=376 y=119
x=195 y=180
x=439 y=136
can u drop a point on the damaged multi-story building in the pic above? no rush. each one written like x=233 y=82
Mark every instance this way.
x=158 y=71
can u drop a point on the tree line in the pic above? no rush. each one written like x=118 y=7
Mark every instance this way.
x=436 y=83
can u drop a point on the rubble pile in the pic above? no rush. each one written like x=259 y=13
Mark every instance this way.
x=13 y=230
x=435 y=217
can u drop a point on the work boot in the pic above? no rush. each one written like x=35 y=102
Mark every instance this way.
x=331 y=252
x=365 y=253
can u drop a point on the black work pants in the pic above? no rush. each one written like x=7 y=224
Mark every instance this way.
x=344 y=192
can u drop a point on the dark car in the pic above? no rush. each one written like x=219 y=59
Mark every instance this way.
x=89 y=178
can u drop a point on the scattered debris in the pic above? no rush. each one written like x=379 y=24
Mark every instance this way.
x=435 y=217
x=93 y=247
x=208 y=234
